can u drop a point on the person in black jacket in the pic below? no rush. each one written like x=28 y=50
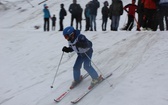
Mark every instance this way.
x=105 y=14
x=163 y=11
x=80 y=17
x=62 y=14
x=116 y=10
x=140 y=14
x=75 y=10
x=94 y=5
x=87 y=17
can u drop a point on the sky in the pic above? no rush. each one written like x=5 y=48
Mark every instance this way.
x=29 y=59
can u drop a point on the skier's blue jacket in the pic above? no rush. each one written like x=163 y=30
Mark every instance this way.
x=86 y=44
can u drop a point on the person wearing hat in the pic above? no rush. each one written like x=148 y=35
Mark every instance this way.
x=46 y=18
x=83 y=47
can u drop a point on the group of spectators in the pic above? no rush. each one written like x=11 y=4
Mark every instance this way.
x=151 y=14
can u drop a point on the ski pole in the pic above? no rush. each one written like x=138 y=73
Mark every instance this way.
x=138 y=26
x=57 y=69
x=129 y=26
x=98 y=69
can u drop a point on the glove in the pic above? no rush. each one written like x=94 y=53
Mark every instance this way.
x=66 y=49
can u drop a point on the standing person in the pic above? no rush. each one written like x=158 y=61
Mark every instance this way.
x=83 y=47
x=149 y=12
x=105 y=14
x=163 y=11
x=62 y=14
x=54 y=22
x=130 y=9
x=140 y=14
x=87 y=16
x=116 y=10
x=94 y=5
x=74 y=9
x=80 y=17
x=46 y=18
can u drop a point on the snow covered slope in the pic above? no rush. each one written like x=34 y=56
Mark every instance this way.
x=29 y=59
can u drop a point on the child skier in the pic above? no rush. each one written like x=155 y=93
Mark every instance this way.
x=83 y=47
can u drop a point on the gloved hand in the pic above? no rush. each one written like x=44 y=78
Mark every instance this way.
x=66 y=49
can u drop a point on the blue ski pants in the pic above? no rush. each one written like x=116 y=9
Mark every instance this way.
x=83 y=59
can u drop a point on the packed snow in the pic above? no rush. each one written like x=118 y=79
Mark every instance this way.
x=29 y=59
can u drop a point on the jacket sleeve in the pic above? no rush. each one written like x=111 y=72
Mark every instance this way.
x=70 y=8
x=125 y=7
x=121 y=11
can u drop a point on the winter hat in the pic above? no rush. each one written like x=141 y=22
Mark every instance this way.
x=45 y=5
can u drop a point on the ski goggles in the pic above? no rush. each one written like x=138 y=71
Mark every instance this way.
x=68 y=36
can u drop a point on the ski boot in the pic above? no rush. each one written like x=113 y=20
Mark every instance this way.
x=95 y=82
x=75 y=83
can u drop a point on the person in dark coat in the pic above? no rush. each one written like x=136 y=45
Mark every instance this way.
x=130 y=9
x=149 y=12
x=116 y=10
x=87 y=16
x=75 y=10
x=163 y=11
x=53 y=22
x=140 y=14
x=46 y=18
x=62 y=14
x=105 y=14
x=80 y=17
x=94 y=5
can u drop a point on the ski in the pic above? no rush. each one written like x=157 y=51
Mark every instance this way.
x=68 y=90
x=88 y=91
x=62 y=96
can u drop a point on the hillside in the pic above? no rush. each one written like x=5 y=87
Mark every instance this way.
x=29 y=59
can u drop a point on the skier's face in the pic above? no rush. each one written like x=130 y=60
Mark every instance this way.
x=69 y=37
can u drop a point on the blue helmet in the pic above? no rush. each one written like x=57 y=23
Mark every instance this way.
x=68 y=30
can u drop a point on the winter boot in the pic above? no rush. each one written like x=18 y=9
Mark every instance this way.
x=95 y=82
x=75 y=83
